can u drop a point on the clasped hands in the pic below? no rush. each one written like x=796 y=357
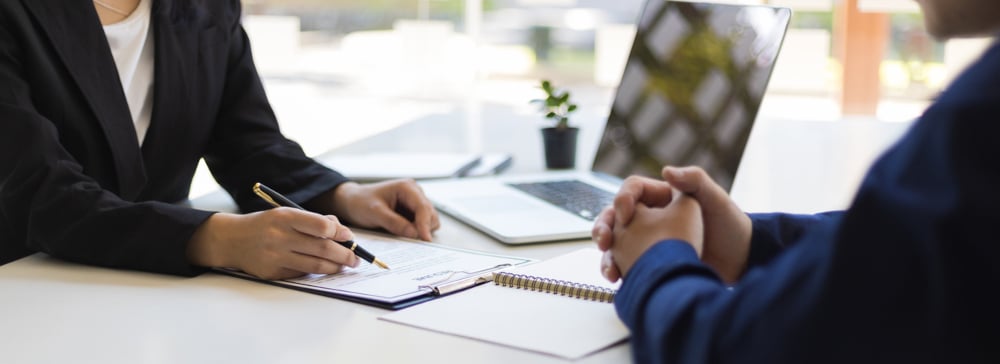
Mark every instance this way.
x=686 y=205
x=285 y=242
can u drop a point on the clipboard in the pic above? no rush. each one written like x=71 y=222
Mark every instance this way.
x=421 y=272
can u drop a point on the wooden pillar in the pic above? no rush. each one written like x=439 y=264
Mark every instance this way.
x=859 y=43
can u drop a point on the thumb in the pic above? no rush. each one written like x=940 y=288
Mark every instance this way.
x=696 y=182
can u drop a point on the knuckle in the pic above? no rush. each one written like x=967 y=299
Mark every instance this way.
x=621 y=199
x=272 y=234
x=282 y=212
x=333 y=219
x=324 y=248
x=408 y=187
x=698 y=171
x=316 y=265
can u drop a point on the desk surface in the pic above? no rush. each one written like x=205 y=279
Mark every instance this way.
x=57 y=312
x=61 y=312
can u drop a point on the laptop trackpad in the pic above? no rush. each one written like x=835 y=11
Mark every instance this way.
x=512 y=216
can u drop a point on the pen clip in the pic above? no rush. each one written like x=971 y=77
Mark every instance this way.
x=263 y=195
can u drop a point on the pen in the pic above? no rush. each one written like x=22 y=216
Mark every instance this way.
x=277 y=200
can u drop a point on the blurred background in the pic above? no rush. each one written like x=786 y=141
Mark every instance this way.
x=339 y=70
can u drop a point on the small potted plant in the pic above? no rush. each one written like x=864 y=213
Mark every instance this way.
x=559 y=139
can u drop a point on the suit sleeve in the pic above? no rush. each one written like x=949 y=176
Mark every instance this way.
x=50 y=205
x=773 y=232
x=247 y=145
x=679 y=311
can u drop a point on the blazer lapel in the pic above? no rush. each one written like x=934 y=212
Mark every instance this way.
x=176 y=48
x=76 y=35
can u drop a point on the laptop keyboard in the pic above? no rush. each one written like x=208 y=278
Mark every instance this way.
x=578 y=198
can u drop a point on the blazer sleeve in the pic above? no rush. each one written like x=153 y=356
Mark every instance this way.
x=247 y=145
x=50 y=205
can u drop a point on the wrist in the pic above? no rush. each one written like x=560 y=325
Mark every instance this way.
x=679 y=250
x=732 y=266
x=341 y=197
x=332 y=202
x=207 y=246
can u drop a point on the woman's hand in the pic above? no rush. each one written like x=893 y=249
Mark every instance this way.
x=273 y=244
x=398 y=206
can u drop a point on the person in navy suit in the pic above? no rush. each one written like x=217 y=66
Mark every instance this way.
x=106 y=107
x=905 y=275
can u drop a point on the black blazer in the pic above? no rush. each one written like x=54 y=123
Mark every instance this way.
x=74 y=182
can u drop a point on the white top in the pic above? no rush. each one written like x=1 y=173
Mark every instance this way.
x=131 y=44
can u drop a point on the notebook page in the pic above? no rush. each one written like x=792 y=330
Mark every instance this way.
x=535 y=321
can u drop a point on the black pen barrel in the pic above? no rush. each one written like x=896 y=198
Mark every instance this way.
x=358 y=250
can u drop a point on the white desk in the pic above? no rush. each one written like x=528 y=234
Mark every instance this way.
x=56 y=312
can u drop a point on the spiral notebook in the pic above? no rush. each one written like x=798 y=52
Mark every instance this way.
x=555 y=286
x=559 y=307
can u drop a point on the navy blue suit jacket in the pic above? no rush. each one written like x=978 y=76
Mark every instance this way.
x=74 y=181
x=907 y=274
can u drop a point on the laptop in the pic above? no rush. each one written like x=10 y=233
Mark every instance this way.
x=689 y=95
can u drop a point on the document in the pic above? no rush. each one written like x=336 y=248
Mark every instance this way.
x=420 y=271
x=531 y=320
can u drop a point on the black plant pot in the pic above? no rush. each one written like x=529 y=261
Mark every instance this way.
x=560 y=147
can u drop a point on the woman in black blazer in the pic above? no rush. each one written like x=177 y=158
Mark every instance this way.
x=76 y=183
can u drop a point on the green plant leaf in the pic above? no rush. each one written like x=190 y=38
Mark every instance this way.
x=547 y=86
x=556 y=104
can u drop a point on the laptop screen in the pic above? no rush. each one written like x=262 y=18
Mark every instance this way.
x=691 y=89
